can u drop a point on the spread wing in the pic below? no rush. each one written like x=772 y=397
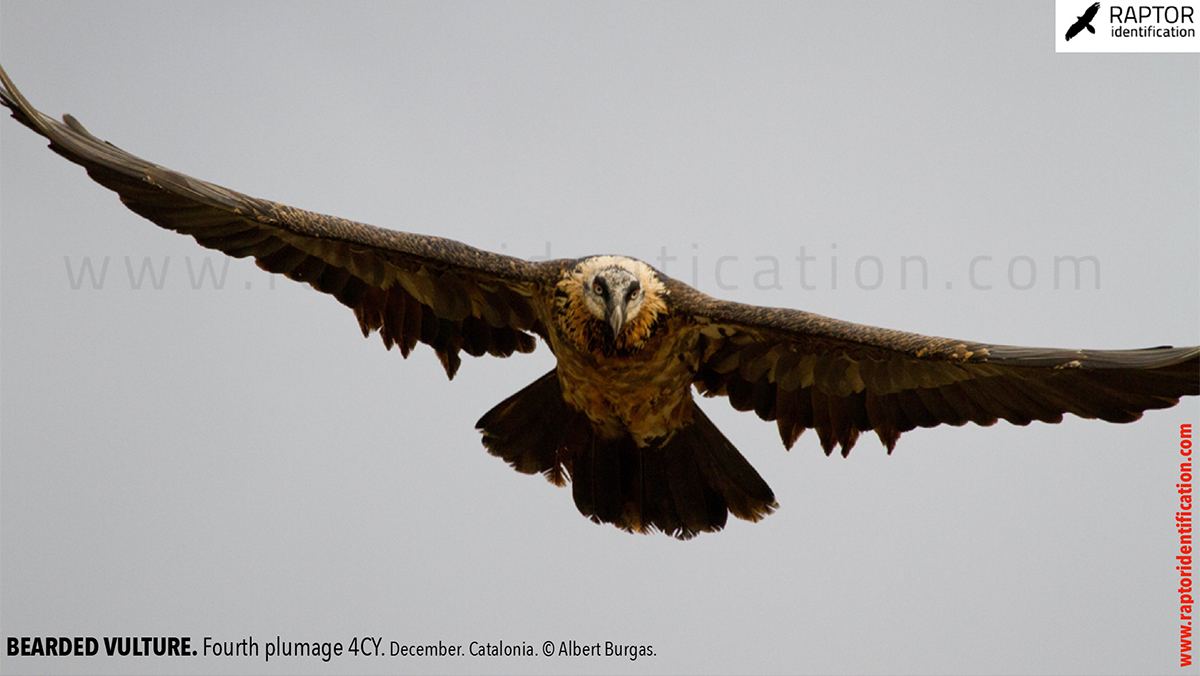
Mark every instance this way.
x=807 y=371
x=408 y=287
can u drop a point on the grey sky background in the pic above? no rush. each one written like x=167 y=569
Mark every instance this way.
x=240 y=461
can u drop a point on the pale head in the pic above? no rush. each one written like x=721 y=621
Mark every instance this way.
x=623 y=293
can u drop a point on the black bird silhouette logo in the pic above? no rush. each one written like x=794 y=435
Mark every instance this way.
x=1084 y=21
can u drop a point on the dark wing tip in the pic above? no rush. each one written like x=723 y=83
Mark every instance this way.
x=1142 y=358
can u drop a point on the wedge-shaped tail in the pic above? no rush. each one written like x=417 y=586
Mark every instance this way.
x=683 y=486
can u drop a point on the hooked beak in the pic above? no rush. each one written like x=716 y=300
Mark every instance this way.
x=616 y=314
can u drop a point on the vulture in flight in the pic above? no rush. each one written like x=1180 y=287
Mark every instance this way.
x=616 y=416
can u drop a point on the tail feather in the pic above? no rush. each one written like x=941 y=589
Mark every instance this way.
x=653 y=508
x=683 y=486
x=529 y=429
x=596 y=472
x=734 y=478
x=697 y=503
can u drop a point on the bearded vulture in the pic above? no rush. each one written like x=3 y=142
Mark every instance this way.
x=616 y=416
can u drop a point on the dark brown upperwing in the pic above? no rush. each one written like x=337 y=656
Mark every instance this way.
x=408 y=287
x=807 y=371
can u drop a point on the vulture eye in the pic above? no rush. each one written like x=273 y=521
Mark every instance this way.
x=600 y=288
x=634 y=290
